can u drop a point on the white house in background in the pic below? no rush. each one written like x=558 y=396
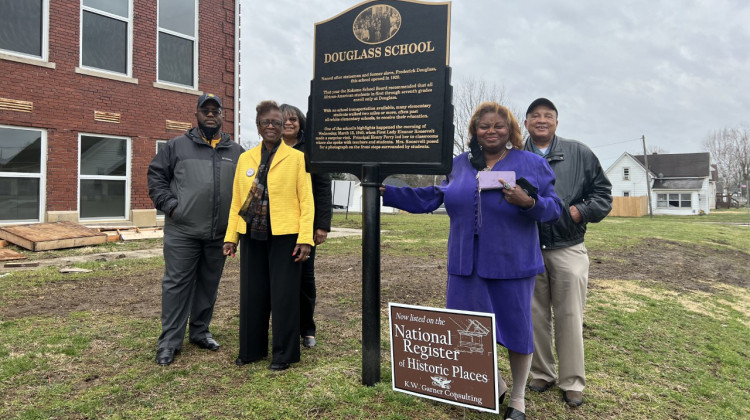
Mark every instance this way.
x=348 y=195
x=681 y=184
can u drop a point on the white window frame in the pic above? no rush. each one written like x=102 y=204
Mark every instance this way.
x=129 y=53
x=626 y=174
x=42 y=176
x=626 y=193
x=126 y=177
x=194 y=38
x=158 y=143
x=45 y=38
x=667 y=199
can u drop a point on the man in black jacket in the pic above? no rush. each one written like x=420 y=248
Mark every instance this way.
x=586 y=194
x=191 y=180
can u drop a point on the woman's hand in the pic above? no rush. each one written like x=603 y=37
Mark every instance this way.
x=320 y=236
x=517 y=196
x=301 y=252
x=229 y=248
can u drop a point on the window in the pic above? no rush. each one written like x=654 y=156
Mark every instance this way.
x=674 y=201
x=626 y=193
x=21 y=167
x=23 y=27
x=626 y=174
x=177 y=47
x=103 y=177
x=160 y=145
x=106 y=35
x=661 y=201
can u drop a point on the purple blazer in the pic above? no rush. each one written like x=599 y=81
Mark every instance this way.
x=508 y=240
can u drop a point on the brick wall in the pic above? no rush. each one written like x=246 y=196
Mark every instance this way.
x=65 y=101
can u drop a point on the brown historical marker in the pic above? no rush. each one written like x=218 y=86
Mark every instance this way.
x=445 y=355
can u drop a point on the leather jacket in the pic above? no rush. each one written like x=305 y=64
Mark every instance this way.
x=581 y=182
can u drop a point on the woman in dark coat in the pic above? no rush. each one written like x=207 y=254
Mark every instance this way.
x=294 y=123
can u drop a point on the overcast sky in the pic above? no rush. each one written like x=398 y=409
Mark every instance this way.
x=670 y=70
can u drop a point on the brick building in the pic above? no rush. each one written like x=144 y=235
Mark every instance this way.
x=91 y=88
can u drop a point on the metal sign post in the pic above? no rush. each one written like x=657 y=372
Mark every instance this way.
x=380 y=104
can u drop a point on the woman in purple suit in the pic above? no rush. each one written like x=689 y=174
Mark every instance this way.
x=493 y=243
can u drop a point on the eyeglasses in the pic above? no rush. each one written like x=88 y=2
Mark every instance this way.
x=206 y=111
x=264 y=123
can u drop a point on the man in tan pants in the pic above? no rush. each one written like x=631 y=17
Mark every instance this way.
x=560 y=292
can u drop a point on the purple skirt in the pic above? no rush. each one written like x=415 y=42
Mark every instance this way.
x=508 y=299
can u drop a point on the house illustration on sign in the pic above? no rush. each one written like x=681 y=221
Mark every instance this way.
x=471 y=337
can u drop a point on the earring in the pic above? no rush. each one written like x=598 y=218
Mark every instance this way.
x=508 y=145
x=481 y=147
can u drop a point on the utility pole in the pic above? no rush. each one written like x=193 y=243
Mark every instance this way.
x=648 y=180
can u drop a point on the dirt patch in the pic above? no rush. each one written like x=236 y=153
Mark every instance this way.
x=409 y=280
x=676 y=265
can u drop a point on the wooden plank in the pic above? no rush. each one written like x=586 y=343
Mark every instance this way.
x=144 y=234
x=67 y=270
x=46 y=236
x=9 y=255
x=22 y=264
x=3 y=243
x=104 y=228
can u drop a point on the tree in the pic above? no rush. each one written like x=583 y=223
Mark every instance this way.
x=467 y=95
x=656 y=150
x=730 y=150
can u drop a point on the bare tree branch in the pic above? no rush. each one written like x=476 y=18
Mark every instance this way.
x=730 y=150
x=467 y=95
x=656 y=150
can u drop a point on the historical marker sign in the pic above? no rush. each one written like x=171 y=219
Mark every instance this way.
x=381 y=93
x=444 y=355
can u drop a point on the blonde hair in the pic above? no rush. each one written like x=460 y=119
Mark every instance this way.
x=514 y=130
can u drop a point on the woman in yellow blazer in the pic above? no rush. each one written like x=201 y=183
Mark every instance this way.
x=272 y=219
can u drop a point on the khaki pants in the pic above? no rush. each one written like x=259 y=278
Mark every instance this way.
x=560 y=292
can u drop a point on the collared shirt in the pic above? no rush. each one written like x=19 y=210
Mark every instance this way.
x=538 y=151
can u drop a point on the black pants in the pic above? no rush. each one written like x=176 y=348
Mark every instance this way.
x=307 y=297
x=269 y=285
x=192 y=270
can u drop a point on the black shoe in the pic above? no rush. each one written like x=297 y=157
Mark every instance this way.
x=308 y=341
x=207 y=343
x=165 y=355
x=279 y=366
x=240 y=361
x=513 y=414
x=540 y=385
x=573 y=398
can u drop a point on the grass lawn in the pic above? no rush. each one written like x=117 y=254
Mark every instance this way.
x=672 y=343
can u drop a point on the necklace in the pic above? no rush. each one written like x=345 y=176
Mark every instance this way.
x=502 y=156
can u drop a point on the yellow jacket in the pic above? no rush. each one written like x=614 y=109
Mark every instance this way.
x=290 y=199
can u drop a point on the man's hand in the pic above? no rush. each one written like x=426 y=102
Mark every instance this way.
x=575 y=214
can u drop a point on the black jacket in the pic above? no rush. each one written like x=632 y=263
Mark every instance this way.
x=322 y=196
x=581 y=182
x=193 y=182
